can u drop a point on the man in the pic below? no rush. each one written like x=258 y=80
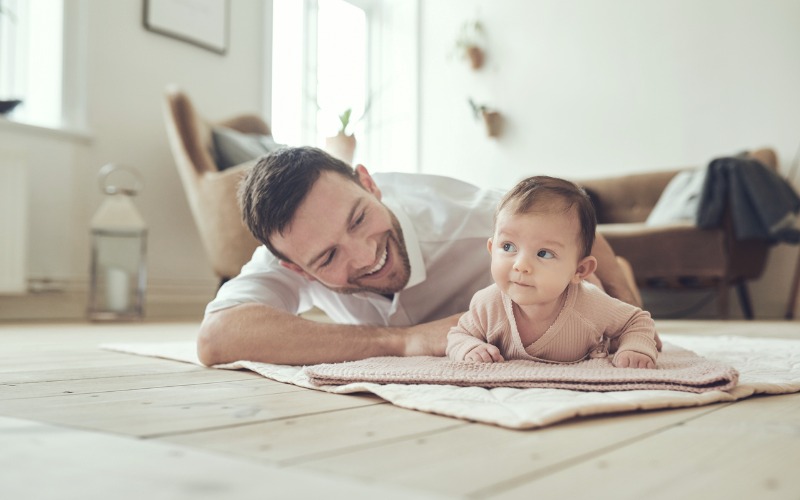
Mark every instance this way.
x=394 y=260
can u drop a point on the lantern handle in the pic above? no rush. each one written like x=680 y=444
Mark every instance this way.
x=107 y=188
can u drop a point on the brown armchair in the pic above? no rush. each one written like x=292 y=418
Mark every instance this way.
x=211 y=193
x=678 y=255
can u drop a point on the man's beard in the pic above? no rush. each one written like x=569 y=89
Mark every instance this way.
x=399 y=282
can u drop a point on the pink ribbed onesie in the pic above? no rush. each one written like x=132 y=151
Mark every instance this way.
x=583 y=327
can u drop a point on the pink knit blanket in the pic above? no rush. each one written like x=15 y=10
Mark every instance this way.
x=677 y=370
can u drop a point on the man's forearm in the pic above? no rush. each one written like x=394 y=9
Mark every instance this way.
x=260 y=333
x=610 y=273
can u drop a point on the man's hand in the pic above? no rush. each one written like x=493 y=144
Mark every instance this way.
x=429 y=339
x=484 y=353
x=633 y=359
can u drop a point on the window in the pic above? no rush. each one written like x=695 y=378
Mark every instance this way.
x=341 y=67
x=330 y=56
x=33 y=47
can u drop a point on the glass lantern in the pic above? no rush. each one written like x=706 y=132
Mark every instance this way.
x=119 y=243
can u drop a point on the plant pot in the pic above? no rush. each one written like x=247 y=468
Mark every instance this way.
x=494 y=123
x=476 y=56
x=341 y=146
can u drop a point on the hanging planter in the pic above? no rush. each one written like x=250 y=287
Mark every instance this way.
x=492 y=120
x=469 y=43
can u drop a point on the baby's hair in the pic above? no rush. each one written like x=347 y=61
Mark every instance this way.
x=543 y=194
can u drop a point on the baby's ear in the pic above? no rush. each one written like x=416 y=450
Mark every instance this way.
x=489 y=245
x=586 y=266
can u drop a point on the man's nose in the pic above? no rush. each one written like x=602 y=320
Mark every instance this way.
x=362 y=252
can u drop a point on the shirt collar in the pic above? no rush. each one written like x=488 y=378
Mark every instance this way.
x=412 y=245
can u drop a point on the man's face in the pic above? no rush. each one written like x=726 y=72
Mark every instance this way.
x=345 y=238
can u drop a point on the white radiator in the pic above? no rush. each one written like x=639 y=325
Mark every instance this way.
x=13 y=221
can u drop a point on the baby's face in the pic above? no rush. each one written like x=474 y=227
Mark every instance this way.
x=535 y=255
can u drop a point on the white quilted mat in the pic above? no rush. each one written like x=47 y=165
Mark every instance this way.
x=765 y=366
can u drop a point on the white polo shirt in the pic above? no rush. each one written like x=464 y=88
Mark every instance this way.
x=445 y=223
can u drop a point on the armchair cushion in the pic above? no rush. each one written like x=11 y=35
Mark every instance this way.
x=235 y=148
x=680 y=200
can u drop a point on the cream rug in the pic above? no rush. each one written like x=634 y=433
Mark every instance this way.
x=703 y=368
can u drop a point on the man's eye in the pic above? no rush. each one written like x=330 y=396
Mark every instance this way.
x=360 y=219
x=544 y=254
x=509 y=247
x=329 y=259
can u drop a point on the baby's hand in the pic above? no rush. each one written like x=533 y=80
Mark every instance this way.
x=633 y=359
x=484 y=353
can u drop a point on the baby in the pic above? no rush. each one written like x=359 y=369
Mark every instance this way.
x=540 y=306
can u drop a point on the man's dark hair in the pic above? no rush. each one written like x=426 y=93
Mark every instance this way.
x=543 y=194
x=274 y=188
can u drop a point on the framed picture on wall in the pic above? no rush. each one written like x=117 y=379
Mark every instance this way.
x=200 y=22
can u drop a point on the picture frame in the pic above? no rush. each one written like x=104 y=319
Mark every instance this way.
x=203 y=23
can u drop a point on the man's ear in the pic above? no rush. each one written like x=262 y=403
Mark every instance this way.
x=299 y=270
x=489 y=245
x=366 y=181
x=586 y=266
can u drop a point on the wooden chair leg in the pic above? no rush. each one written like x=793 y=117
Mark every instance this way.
x=744 y=300
x=722 y=300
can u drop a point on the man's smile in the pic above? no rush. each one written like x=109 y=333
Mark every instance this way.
x=380 y=264
x=376 y=271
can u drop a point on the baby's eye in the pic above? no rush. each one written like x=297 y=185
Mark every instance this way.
x=544 y=254
x=509 y=247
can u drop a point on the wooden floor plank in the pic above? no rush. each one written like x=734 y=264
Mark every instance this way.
x=157 y=411
x=121 y=380
x=750 y=449
x=131 y=366
x=45 y=462
x=473 y=458
x=296 y=440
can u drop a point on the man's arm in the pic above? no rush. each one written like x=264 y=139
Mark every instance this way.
x=256 y=332
x=611 y=274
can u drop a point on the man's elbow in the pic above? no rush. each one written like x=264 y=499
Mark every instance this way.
x=209 y=340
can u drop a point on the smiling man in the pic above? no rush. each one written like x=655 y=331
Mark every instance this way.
x=392 y=259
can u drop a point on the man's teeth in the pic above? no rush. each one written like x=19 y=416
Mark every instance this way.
x=380 y=263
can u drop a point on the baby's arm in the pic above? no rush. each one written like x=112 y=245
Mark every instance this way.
x=468 y=335
x=469 y=339
x=462 y=341
x=634 y=332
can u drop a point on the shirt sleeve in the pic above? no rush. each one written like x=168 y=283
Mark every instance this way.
x=264 y=281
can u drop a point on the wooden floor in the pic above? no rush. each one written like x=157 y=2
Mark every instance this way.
x=79 y=422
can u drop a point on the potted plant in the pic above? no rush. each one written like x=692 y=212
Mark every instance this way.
x=343 y=144
x=469 y=41
x=492 y=119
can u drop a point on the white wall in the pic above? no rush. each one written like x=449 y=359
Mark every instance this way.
x=594 y=88
x=127 y=70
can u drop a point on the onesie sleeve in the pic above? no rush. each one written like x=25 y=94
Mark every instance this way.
x=471 y=330
x=629 y=327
